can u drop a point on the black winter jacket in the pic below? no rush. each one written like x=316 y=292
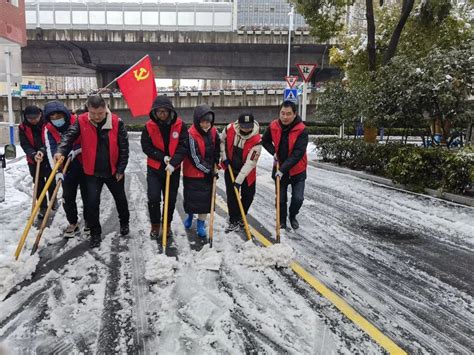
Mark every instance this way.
x=147 y=145
x=102 y=168
x=29 y=149
x=287 y=161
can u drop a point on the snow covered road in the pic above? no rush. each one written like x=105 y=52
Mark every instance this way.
x=403 y=261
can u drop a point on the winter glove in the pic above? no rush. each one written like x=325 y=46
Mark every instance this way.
x=237 y=185
x=74 y=153
x=59 y=177
x=39 y=156
x=170 y=168
x=226 y=163
x=167 y=159
x=278 y=174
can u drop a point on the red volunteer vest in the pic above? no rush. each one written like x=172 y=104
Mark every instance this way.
x=157 y=140
x=57 y=136
x=249 y=144
x=189 y=170
x=29 y=135
x=89 y=149
x=275 y=130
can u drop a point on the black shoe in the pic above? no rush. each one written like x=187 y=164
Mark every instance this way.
x=155 y=231
x=95 y=240
x=87 y=230
x=294 y=223
x=232 y=226
x=124 y=230
x=282 y=225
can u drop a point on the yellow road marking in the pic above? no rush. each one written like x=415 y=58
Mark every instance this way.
x=336 y=300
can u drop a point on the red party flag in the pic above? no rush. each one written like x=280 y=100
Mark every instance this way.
x=138 y=87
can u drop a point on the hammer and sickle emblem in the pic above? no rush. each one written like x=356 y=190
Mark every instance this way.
x=142 y=75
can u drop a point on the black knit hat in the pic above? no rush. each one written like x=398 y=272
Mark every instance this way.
x=32 y=111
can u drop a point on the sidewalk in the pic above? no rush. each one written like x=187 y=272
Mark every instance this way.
x=462 y=200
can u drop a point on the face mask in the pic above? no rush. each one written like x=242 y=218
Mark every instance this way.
x=59 y=123
x=206 y=129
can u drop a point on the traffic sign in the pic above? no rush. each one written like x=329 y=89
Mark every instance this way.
x=290 y=95
x=306 y=70
x=291 y=80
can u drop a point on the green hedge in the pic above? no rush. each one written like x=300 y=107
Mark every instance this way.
x=416 y=167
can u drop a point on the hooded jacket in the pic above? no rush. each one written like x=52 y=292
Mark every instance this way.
x=155 y=129
x=202 y=147
x=31 y=138
x=198 y=166
x=52 y=134
x=245 y=148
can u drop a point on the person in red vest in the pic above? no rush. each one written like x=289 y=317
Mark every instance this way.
x=203 y=146
x=104 y=144
x=240 y=149
x=286 y=139
x=164 y=142
x=32 y=143
x=58 y=120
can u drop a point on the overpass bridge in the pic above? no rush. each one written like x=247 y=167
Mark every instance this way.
x=227 y=104
x=192 y=41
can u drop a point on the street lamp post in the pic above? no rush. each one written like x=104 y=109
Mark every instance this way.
x=290 y=28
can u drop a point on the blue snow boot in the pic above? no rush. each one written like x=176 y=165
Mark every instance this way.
x=201 y=228
x=188 y=222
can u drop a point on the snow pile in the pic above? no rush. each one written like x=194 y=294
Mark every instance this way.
x=160 y=268
x=275 y=255
x=208 y=258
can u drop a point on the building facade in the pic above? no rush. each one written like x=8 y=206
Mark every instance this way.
x=266 y=15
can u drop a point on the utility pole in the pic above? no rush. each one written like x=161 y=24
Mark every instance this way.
x=290 y=28
x=8 y=68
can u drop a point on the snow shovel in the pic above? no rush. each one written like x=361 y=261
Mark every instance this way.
x=277 y=181
x=50 y=207
x=165 y=212
x=21 y=243
x=35 y=189
x=242 y=212
x=213 y=205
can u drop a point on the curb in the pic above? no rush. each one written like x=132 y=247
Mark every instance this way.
x=446 y=196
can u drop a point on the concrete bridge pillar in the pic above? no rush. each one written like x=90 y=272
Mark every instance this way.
x=104 y=77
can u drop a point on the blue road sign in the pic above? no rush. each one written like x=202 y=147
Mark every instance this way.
x=30 y=87
x=290 y=95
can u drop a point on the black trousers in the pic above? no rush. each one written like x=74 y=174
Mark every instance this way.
x=297 y=197
x=94 y=188
x=156 y=181
x=45 y=171
x=74 y=177
x=247 y=194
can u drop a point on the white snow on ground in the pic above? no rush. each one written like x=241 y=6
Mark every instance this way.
x=279 y=255
x=228 y=299
x=208 y=258
x=160 y=267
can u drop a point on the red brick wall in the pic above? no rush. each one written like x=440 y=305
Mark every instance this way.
x=12 y=21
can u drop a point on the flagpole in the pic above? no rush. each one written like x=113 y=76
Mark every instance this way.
x=125 y=72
